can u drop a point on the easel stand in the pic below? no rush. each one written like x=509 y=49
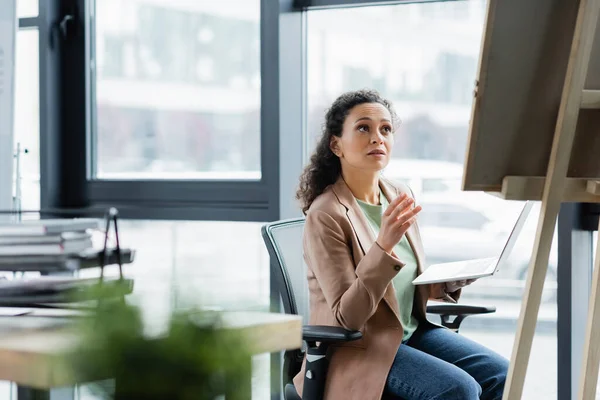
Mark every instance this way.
x=557 y=188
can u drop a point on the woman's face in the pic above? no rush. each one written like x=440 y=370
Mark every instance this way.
x=367 y=138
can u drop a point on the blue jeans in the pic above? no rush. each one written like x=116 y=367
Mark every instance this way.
x=439 y=364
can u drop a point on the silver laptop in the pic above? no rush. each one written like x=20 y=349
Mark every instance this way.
x=477 y=268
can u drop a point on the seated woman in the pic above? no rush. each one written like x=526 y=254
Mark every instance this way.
x=362 y=248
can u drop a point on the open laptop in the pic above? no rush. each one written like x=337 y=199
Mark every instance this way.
x=477 y=268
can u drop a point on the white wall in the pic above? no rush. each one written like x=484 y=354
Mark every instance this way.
x=8 y=28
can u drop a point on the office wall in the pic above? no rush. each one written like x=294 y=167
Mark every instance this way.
x=7 y=62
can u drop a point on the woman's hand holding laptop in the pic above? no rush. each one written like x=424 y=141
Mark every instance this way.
x=452 y=287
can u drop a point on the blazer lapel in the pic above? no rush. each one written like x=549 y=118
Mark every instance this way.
x=413 y=236
x=414 y=239
x=360 y=224
x=364 y=233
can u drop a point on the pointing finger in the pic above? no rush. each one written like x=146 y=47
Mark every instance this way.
x=394 y=204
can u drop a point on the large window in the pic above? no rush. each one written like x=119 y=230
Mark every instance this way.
x=423 y=57
x=177 y=90
x=182 y=115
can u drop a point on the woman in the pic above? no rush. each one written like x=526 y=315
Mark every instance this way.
x=362 y=248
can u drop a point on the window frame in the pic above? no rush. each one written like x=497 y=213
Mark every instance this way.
x=69 y=184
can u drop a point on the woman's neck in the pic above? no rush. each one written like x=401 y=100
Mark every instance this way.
x=364 y=186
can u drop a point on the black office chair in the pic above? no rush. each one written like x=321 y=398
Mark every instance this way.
x=283 y=240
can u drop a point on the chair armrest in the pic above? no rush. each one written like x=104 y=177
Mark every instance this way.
x=459 y=309
x=317 y=363
x=328 y=334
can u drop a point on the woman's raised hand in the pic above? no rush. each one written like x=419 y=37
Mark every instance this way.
x=396 y=220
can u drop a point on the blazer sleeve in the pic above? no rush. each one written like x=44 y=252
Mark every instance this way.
x=437 y=290
x=353 y=292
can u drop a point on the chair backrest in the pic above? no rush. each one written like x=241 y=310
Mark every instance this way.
x=283 y=240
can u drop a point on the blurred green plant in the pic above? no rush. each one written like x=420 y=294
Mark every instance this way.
x=193 y=359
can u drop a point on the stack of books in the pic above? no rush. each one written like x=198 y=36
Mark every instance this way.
x=49 y=246
x=51 y=237
x=46 y=237
x=52 y=245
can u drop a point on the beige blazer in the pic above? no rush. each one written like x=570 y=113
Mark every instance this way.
x=349 y=280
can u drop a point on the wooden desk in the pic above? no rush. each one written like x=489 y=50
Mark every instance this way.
x=32 y=346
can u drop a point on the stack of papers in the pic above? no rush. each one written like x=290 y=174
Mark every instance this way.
x=51 y=237
x=48 y=289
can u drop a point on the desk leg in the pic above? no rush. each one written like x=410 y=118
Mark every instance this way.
x=29 y=393
x=241 y=384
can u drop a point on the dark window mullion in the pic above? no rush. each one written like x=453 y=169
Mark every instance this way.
x=29 y=22
x=50 y=98
x=179 y=191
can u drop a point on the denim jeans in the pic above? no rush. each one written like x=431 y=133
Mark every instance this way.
x=439 y=364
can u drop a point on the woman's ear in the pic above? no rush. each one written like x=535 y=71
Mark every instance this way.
x=334 y=145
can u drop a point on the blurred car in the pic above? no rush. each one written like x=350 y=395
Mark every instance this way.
x=460 y=227
x=425 y=176
x=457 y=225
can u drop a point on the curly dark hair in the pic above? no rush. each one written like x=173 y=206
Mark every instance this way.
x=324 y=167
